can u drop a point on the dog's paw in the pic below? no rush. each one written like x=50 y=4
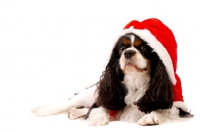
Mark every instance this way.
x=148 y=119
x=98 y=117
x=75 y=113
x=43 y=111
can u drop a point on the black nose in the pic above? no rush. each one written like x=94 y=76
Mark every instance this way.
x=129 y=53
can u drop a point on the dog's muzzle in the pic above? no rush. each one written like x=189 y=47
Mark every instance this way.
x=129 y=53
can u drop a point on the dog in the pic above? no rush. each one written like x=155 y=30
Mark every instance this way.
x=139 y=83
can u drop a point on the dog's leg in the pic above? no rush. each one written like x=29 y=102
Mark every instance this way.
x=84 y=99
x=155 y=117
x=74 y=113
x=99 y=117
x=161 y=116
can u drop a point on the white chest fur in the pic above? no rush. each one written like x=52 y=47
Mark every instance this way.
x=136 y=84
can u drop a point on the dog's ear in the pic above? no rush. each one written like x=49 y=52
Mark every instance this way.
x=159 y=94
x=110 y=90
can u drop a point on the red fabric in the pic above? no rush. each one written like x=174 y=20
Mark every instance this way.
x=113 y=112
x=161 y=32
x=165 y=36
x=178 y=89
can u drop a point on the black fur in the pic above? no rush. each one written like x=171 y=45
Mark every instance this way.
x=183 y=114
x=110 y=87
x=159 y=94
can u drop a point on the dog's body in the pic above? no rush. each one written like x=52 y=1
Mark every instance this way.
x=100 y=116
x=135 y=83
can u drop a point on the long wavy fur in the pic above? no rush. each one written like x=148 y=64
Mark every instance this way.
x=159 y=94
x=110 y=88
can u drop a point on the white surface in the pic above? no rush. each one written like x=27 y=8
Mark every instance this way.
x=50 y=49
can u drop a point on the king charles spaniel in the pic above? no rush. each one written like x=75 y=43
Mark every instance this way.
x=135 y=83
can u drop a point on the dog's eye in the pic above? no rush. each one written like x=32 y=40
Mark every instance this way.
x=143 y=47
x=122 y=48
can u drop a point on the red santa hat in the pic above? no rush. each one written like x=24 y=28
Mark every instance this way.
x=161 y=39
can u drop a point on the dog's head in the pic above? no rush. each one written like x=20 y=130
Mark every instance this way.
x=135 y=54
x=132 y=54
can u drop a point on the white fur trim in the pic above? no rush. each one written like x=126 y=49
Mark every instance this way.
x=180 y=104
x=157 y=46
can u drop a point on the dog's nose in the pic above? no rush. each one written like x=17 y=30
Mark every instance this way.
x=129 y=53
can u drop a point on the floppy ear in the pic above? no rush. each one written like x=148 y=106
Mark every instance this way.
x=159 y=94
x=110 y=90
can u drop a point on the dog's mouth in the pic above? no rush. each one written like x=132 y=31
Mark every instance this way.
x=130 y=64
x=131 y=67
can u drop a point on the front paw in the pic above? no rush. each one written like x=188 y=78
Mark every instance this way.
x=75 y=113
x=98 y=117
x=42 y=111
x=148 y=119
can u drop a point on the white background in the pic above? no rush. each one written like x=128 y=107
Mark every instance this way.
x=52 y=48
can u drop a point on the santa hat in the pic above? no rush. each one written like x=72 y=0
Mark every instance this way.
x=161 y=39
